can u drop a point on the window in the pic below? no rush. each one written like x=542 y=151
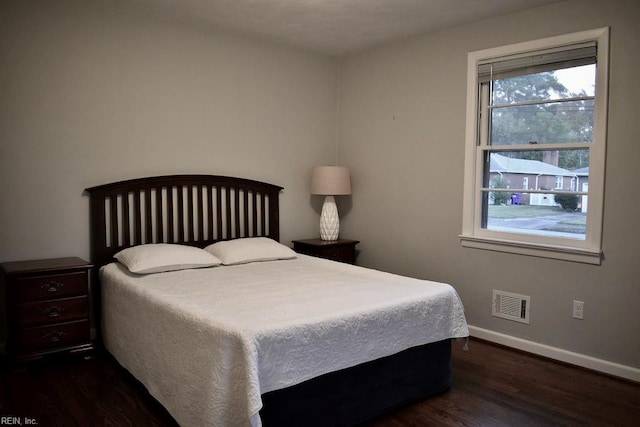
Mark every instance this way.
x=536 y=115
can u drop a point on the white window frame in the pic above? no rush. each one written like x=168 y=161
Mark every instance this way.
x=559 y=182
x=473 y=234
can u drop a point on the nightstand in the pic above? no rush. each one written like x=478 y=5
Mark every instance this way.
x=342 y=250
x=48 y=307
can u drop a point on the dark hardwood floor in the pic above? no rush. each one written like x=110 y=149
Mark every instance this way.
x=493 y=386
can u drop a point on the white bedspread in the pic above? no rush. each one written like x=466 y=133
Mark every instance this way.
x=207 y=343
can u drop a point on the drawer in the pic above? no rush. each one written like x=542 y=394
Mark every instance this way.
x=342 y=250
x=338 y=254
x=52 y=336
x=52 y=311
x=50 y=286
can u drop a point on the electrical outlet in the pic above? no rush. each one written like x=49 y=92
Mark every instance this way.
x=578 y=309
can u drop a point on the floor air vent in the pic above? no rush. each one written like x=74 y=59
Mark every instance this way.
x=511 y=306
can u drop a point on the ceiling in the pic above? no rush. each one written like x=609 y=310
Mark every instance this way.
x=334 y=27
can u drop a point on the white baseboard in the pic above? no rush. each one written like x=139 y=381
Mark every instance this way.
x=604 y=366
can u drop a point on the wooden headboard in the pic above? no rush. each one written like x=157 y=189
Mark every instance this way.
x=195 y=210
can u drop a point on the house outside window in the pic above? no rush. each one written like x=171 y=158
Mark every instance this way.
x=536 y=115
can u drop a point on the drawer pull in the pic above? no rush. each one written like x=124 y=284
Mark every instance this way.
x=54 y=336
x=52 y=311
x=52 y=286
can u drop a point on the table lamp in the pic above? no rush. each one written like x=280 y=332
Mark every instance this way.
x=330 y=181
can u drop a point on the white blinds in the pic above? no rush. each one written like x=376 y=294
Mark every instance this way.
x=537 y=61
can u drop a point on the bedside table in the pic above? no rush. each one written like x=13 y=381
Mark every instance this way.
x=342 y=250
x=48 y=307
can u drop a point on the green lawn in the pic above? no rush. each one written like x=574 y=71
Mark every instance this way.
x=522 y=211
x=568 y=222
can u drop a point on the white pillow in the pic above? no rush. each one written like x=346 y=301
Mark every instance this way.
x=250 y=249
x=159 y=257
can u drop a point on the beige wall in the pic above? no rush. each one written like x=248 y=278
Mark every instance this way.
x=402 y=124
x=89 y=95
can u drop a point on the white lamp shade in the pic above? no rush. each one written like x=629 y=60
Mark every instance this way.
x=330 y=181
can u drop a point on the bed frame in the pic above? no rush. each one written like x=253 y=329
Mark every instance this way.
x=193 y=210
x=201 y=209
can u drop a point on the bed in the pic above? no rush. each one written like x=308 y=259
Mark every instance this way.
x=277 y=339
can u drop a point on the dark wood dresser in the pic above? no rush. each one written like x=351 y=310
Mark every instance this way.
x=342 y=250
x=48 y=307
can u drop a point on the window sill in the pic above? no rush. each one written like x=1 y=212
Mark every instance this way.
x=543 y=251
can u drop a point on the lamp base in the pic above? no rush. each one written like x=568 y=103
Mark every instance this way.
x=329 y=220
